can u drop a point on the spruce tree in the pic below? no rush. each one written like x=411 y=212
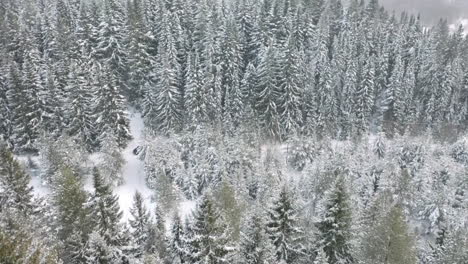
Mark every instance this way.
x=209 y=241
x=248 y=86
x=379 y=147
x=140 y=224
x=5 y=111
x=291 y=88
x=389 y=240
x=84 y=31
x=232 y=99
x=98 y=251
x=139 y=51
x=54 y=107
x=177 y=246
x=81 y=124
x=454 y=249
x=111 y=47
x=73 y=215
x=364 y=98
x=157 y=238
x=15 y=192
x=195 y=102
x=335 y=228
x=266 y=93
x=255 y=245
x=284 y=230
x=106 y=218
x=26 y=97
x=16 y=100
x=168 y=101
x=110 y=111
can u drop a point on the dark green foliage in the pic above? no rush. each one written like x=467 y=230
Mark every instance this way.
x=16 y=194
x=284 y=229
x=335 y=228
x=209 y=238
x=73 y=214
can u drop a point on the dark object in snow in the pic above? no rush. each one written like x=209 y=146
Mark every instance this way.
x=137 y=150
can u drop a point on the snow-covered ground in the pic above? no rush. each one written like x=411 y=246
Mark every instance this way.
x=133 y=171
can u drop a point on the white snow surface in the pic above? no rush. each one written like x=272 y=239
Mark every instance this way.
x=133 y=171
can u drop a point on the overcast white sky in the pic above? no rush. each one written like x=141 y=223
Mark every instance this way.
x=431 y=10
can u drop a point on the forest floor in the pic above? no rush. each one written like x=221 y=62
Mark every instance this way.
x=133 y=171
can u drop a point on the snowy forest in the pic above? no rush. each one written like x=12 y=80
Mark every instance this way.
x=231 y=132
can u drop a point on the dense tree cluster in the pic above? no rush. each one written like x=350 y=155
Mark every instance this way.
x=407 y=204
x=289 y=125
x=281 y=67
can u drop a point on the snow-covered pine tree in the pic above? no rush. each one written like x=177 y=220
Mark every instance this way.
x=27 y=109
x=266 y=92
x=209 y=242
x=177 y=245
x=349 y=89
x=396 y=89
x=15 y=192
x=72 y=214
x=61 y=49
x=322 y=112
x=248 y=86
x=98 y=251
x=139 y=50
x=291 y=89
x=110 y=109
x=5 y=112
x=84 y=30
x=255 y=245
x=81 y=122
x=335 y=228
x=284 y=230
x=233 y=100
x=107 y=218
x=389 y=240
x=53 y=116
x=213 y=83
x=379 y=147
x=111 y=47
x=195 y=102
x=168 y=101
x=140 y=224
x=157 y=238
x=364 y=98
x=245 y=18
x=64 y=27
x=315 y=8
x=11 y=28
x=27 y=248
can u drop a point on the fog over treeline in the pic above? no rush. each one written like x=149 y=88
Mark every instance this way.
x=431 y=10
